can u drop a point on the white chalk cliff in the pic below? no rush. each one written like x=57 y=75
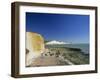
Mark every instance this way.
x=55 y=42
x=34 y=46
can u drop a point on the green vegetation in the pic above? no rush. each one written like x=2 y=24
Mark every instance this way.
x=46 y=41
x=77 y=58
x=74 y=55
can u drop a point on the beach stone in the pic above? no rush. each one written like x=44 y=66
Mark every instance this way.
x=44 y=61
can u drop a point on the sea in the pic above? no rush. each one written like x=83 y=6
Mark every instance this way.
x=84 y=47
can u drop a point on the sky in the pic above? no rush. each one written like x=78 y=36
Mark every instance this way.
x=61 y=27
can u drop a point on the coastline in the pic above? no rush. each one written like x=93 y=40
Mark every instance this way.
x=57 y=56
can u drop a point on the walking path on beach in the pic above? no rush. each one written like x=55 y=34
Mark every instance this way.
x=49 y=61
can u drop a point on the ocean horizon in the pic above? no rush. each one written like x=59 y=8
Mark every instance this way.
x=83 y=46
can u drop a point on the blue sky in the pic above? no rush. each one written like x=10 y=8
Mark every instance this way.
x=61 y=27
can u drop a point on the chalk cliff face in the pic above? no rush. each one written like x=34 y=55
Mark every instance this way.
x=34 y=46
x=55 y=42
